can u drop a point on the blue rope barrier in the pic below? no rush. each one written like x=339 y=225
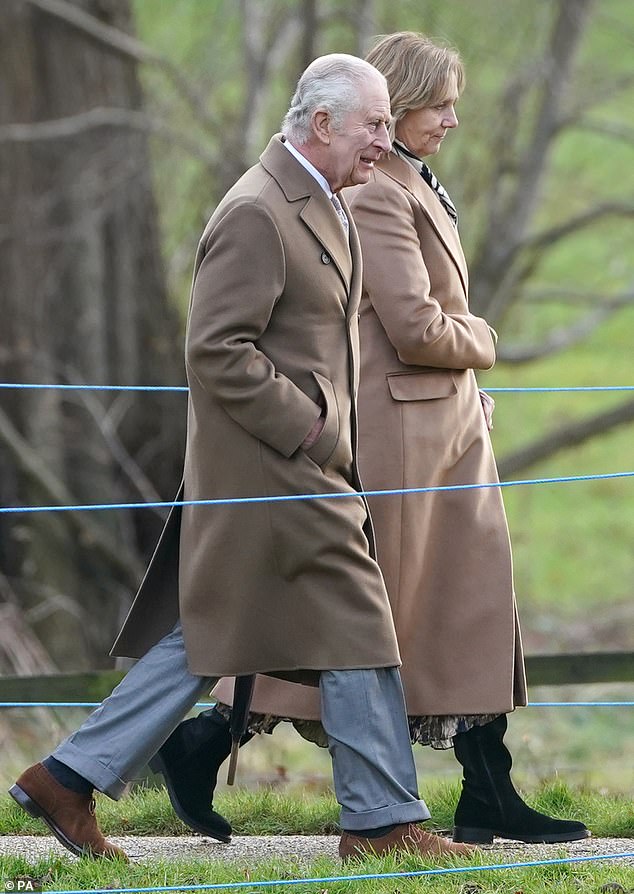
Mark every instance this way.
x=234 y=501
x=75 y=704
x=577 y=388
x=607 y=704
x=613 y=704
x=183 y=388
x=25 y=385
x=579 y=704
x=451 y=870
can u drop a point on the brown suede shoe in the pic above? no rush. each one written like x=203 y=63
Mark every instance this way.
x=409 y=837
x=69 y=815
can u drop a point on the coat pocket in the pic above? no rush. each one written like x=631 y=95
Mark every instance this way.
x=432 y=385
x=323 y=449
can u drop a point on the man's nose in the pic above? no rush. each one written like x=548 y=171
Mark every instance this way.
x=382 y=138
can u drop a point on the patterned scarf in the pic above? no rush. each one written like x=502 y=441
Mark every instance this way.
x=429 y=177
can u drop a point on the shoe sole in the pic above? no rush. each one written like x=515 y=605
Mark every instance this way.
x=157 y=765
x=33 y=809
x=470 y=835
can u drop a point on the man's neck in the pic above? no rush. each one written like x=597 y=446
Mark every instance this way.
x=306 y=158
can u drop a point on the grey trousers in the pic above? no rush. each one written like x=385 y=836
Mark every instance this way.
x=363 y=713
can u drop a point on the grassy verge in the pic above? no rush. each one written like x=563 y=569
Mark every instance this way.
x=268 y=812
x=61 y=874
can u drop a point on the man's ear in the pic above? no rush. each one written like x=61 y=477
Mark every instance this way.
x=322 y=125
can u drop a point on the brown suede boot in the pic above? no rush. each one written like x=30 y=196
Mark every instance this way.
x=408 y=837
x=69 y=815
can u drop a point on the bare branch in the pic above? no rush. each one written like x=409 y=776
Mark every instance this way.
x=556 y=71
x=364 y=25
x=96 y=536
x=547 y=238
x=101 y=116
x=601 y=92
x=609 y=129
x=49 y=602
x=266 y=45
x=309 y=14
x=517 y=184
x=107 y=427
x=562 y=439
x=20 y=649
x=522 y=258
x=576 y=297
x=129 y=46
x=564 y=337
x=111 y=37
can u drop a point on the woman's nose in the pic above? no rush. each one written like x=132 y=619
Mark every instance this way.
x=451 y=119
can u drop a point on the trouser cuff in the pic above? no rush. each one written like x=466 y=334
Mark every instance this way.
x=409 y=812
x=101 y=776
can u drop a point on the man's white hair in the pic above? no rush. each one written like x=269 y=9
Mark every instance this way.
x=331 y=83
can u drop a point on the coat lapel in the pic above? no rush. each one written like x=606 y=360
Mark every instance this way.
x=327 y=229
x=403 y=173
x=314 y=209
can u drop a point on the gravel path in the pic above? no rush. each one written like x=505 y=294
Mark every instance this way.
x=302 y=848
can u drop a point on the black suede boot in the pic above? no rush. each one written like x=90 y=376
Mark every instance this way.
x=489 y=804
x=189 y=761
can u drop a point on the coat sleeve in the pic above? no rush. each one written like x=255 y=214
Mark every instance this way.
x=397 y=281
x=239 y=280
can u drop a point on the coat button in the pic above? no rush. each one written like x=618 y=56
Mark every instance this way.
x=325 y=258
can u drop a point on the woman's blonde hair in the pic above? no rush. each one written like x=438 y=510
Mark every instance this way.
x=419 y=73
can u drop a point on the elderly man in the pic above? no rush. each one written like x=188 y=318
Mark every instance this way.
x=286 y=588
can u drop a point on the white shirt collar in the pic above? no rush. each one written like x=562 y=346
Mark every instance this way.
x=312 y=170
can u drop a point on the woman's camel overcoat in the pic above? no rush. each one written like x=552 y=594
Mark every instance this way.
x=446 y=555
x=287 y=586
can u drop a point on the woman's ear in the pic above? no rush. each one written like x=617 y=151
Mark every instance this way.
x=321 y=125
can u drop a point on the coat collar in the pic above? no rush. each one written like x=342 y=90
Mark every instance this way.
x=403 y=173
x=314 y=207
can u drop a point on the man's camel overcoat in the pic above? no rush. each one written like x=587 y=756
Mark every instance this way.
x=445 y=556
x=281 y=586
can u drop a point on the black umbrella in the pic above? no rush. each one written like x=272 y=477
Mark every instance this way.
x=242 y=692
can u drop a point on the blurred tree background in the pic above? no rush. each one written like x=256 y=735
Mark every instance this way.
x=122 y=123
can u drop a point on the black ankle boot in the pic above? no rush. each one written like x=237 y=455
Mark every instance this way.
x=189 y=761
x=489 y=804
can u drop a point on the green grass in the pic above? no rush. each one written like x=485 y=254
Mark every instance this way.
x=67 y=874
x=265 y=811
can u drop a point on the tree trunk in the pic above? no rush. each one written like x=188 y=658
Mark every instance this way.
x=82 y=300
